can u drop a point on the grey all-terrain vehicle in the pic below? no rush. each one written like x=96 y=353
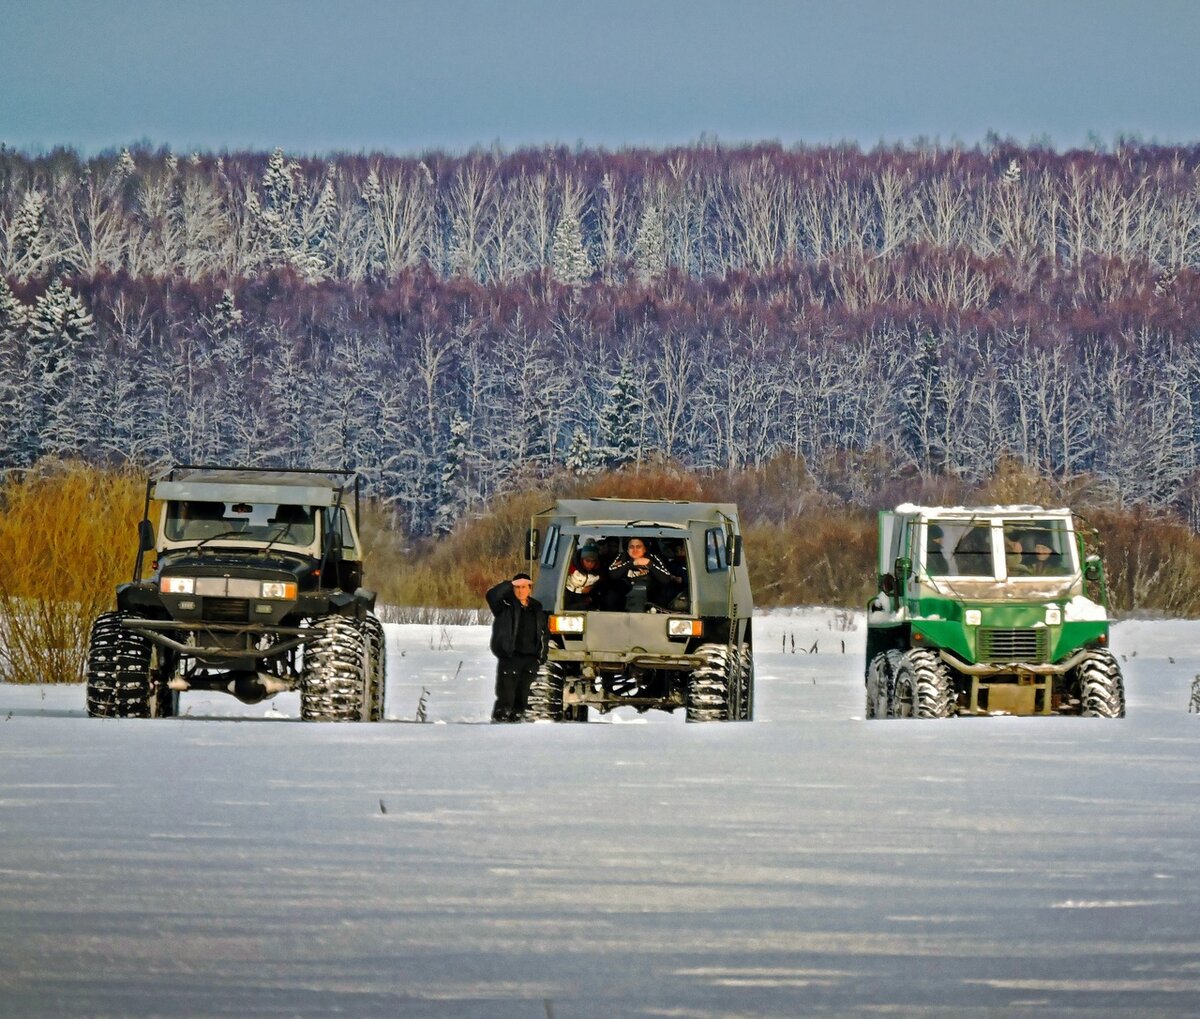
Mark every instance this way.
x=254 y=589
x=677 y=637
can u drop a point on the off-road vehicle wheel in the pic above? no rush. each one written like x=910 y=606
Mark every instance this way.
x=709 y=688
x=339 y=672
x=1101 y=688
x=124 y=679
x=921 y=685
x=745 y=683
x=878 y=681
x=377 y=646
x=546 y=694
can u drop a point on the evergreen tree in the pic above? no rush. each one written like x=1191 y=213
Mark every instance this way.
x=621 y=418
x=26 y=235
x=58 y=332
x=582 y=457
x=12 y=375
x=650 y=246
x=568 y=259
x=923 y=405
x=454 y=487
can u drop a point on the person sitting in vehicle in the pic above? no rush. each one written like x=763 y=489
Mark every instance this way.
x=1045 y=562
x=639 y=574
x=1015 y=556
x=973 y=553
x=584 y=579
x=935 y=558
x=677 y=565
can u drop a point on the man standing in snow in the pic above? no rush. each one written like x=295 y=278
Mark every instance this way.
x=520 y=642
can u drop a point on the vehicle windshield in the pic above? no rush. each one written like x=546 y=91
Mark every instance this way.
x=959 y=548
x=1031 y=548
x=191 y=520
x=1038 y=548
x=627 y=573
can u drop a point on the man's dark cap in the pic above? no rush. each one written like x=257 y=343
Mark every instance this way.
x=523 y=576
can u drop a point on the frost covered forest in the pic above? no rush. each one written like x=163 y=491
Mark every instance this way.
x=456 y=326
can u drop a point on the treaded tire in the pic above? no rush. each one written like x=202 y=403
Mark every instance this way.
x=122 y=677
x=921 y=685
x=339 y=673
x=1101 y=686
x=745 y=678
x=709 y=689
x=879 y=687
x=378 y=650
x=546 y=695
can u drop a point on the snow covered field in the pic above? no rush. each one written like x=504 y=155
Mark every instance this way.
x=236 y=862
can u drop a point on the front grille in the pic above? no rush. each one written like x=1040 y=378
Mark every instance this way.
x=227 y=610
x=1031 y=645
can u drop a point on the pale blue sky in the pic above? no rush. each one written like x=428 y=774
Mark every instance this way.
x=315 y=76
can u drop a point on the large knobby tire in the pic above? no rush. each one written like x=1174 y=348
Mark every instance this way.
x=921 y=685
x=879 y=686
x=377 y=647
x=123 y=677
x=546 y=695
x=1101 y=686
x=339 y=675
x=709 y=689
x=745 y=682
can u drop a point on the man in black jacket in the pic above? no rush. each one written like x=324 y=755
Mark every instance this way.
x=520 y=642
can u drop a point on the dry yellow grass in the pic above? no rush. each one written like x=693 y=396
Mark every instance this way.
x=68 y=535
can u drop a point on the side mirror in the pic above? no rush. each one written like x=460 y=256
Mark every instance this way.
x=733 y=549
x=145 y=536
x=532 y=543
x=1092 y=567
x=887 y=584
x=903 y=571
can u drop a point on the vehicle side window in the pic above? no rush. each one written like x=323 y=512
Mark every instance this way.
x=347 y=531
x=550 y=549
x=714 y=550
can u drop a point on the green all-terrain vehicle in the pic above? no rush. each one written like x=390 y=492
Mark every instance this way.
x=254 y=589
x=674 y=632
x=989 y=610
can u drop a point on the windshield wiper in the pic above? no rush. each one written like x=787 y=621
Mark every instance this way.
x=223 y=534
x=286 y=530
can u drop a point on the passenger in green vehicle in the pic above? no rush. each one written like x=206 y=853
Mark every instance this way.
x=1045 y=562
x=935 y=558
x=1014 y=555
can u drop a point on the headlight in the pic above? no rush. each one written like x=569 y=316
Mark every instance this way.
x=177 y=585
x=684 y=628
x=566 y=624
x=278 y=589
x=1053 y=615
x=972 y=617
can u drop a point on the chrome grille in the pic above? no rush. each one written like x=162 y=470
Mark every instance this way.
x=1031 y=645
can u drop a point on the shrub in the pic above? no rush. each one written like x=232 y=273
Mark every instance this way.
x=68 y=535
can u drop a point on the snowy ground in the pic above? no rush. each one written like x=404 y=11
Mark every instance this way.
x=236 y=862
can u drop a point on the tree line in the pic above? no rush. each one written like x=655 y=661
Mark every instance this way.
x=459 y=326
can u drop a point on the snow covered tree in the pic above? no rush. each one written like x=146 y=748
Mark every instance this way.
x=924 y=406
x=621 y=417
x=13 y=376
x=125 y=167
x=568 y=258
x=582 y=457
x=455 y=491
x=58 y=331
x=650 y=247
x=26 y=238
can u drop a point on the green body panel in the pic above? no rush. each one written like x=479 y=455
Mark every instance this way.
x=1064 y=640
